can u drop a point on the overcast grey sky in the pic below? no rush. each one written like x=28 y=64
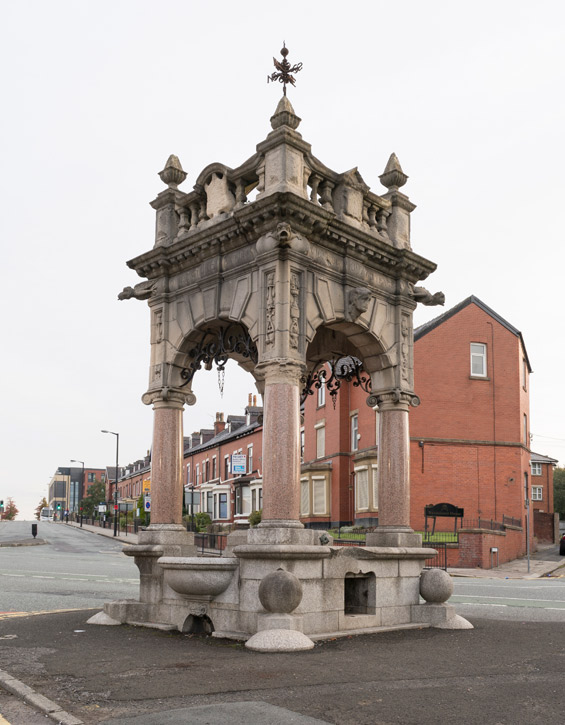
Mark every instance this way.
x=97 y=94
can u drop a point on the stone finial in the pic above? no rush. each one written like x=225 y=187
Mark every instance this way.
x=284 y=115
x=393 y=177
x=173 y=173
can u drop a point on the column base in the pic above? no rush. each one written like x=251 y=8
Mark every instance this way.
x=283 y=535
x=394 y=536
x=280 y=524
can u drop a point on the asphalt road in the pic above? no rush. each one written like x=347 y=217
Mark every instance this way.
x=72 y=570
x=500 y=673
x=524 y=600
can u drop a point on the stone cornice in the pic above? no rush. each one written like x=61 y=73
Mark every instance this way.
x=245 y=225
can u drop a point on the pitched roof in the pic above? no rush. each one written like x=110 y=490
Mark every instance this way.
x=472 y=300
x=538 y=458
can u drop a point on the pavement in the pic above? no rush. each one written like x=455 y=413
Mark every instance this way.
x=502 y=672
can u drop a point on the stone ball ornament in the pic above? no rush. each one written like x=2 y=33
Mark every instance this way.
x=280 y=592
x=436 y=586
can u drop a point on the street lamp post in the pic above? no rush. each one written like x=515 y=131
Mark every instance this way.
x=73 y=460
x=116 y=480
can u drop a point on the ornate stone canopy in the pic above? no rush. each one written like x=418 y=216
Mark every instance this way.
x=309 y=263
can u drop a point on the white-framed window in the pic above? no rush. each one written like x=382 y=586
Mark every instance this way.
x=524 y=374
x=226 y=467
x=242 y=501
x=319 y=502
x=197 y=474
x=367 y=487
x=188 y=472
x=302 y=441
x=354 y=429
x=320 y=439
x=536 y=469
x=375 y=477
x=322 y=394
x=214 y=467
x=537 y=493
x=250 y=458
x=478 y=360
x=304 y=497
x=256 y=495
x=362 y=489
x=221 y=510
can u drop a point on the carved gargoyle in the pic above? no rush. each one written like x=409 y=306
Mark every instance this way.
x=141 y=291
x=283 y=236
x=422 y=295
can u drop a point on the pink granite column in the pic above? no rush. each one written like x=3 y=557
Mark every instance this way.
x=394 y=465
x=166 y=462
x=281 y=446
x=394 y=473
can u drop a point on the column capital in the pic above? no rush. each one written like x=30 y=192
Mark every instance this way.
x=168 y=398
x=280 y=370
x=395 y=399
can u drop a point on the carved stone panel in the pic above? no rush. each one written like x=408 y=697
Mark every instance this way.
x=270 y=292
x=294 y=329
x=219 y=198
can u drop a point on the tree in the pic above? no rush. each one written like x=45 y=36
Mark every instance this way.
x=42 y=505
x=96 y=494
x=559 y=491
x=10 y=510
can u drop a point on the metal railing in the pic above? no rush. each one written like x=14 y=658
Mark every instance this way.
x=440 y=537
x=480 y=523
x=210 y=544
x=511 y=521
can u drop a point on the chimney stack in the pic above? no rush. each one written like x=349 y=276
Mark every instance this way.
x=219 y=424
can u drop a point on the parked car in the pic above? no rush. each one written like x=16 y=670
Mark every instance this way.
x=562 y=545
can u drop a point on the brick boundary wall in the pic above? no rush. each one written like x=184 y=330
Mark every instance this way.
x=544 y=527
x=474 y=549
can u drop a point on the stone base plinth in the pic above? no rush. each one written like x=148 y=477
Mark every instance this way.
x=337 y=590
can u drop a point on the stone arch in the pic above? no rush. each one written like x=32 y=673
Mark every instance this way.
x=342 y=339
x=212 y=344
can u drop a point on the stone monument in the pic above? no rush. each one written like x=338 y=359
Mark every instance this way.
x=281 y=264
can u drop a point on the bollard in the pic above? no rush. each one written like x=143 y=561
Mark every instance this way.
x=34 y=530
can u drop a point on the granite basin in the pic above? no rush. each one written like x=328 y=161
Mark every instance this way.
x=198 y=576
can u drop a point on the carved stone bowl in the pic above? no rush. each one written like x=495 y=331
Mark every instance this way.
x=195 y=576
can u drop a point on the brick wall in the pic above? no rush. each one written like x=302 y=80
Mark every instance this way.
x=544 y=526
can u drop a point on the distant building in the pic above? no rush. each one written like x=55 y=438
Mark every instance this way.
x=69 y=485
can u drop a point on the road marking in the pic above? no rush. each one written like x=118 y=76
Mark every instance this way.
x=517 y=599
x=14 y=615
x=3 y=722
x=95 y=578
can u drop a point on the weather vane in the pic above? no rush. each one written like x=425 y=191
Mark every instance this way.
x=284 y=70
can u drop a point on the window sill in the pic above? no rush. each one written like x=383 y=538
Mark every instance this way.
x=479 y=377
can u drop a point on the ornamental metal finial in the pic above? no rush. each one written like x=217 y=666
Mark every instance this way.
x=284 y=70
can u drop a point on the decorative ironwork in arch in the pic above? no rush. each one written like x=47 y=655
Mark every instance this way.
x=216 y=347
x=332 y=374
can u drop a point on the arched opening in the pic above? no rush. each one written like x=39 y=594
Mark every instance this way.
x=194 y=624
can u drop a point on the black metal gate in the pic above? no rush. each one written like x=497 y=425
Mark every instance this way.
x=439 y=561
